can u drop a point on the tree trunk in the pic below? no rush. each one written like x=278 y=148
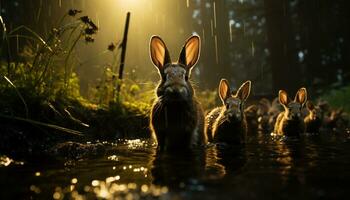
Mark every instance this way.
x=286 y=74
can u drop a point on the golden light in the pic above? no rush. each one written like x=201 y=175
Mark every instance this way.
x=130 y=5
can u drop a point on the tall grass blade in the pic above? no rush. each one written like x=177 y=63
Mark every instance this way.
x=60 y=128
x=19 y=94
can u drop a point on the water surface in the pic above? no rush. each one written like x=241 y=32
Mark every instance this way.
x=310 y=167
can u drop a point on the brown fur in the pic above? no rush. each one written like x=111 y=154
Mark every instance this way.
x=177 y=120
x=313 y=120
x=230 y=125
x=210 y=119
x=290 y=122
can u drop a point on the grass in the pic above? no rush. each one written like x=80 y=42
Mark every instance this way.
x=40 y=102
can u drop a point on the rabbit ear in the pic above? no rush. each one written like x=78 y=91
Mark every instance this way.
x=283 y=97
x=301 y=96
x=159 y=52
x=310 y=105
x=190 y=52
x=224 y=90
x=244 y=91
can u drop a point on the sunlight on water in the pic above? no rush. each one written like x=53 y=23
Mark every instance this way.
x=109 y=189
x=131 y=169
x=6 y=161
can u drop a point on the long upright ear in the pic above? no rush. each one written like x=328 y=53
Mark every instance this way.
x=301 y=96
x=159 y=52
x=224 y=90
x=244 y=91
x=190 y=52
x=283 y=97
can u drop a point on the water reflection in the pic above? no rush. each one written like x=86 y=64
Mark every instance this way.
x=310 y=166
x=226 y=160
x=181 y=170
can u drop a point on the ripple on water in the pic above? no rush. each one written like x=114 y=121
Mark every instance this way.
x=312 y=166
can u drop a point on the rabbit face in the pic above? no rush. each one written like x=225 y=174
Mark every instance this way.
x=292 y=109
x=233 y=102
x=314 y=111
x=233 y=109
x=174 y=84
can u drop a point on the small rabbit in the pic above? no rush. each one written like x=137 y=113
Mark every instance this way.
x=313 y=120
x=252 y=117
x=290 y=121
x=177 y=119
x=336 y=120
x=230 y=125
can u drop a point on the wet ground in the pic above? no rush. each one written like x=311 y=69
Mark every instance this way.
x=311 y=167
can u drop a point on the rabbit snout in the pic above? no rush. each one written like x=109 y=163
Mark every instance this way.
x=236 y=114
x=176 y=91
x=296 y=115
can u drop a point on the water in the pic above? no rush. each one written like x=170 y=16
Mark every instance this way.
x=314 y=166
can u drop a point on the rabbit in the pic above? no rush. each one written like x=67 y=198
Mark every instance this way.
x=252 y=117
x=290 y=122
x=336 y=120
x=176 y=119
x=313 y=121
x=230 y=125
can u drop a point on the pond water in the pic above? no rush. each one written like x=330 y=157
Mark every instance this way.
x=310 y=167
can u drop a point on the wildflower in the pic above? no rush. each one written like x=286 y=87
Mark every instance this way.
x=89 y=22
x=111 y=47
x=73 y=12
x=55 y=31
x=90 y=31
x=93 y=25
x=89 y=39
x=85 y=19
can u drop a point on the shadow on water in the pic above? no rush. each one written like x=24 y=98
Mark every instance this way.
x=309 y=167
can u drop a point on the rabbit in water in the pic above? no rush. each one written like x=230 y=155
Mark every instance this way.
x=290 y=121
x=313 y=121
x=228 y=123
x=177 y=119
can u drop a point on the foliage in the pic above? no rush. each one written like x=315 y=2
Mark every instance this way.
x=339 y=98
x=41 y=88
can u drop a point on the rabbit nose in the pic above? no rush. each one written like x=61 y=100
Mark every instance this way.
x=295 y=115
x=169 y=90
x=178 y=90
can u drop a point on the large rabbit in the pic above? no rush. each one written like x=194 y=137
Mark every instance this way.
x=228 y=123
x=290 y=122
x=177 y=120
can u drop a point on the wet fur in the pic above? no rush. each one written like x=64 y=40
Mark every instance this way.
x=288 y=127
x=210 y=119
x=177 y=119
x=177 y=125
x=285 y=124
x=313 y=121
x=312 y=125
x=222 y=123
x=229 y=130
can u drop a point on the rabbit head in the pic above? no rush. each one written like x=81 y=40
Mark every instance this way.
x=175 y=85
x=314 y=111
x=233 y=103
x=293 y=109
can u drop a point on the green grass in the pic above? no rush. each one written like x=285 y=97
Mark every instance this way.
x=339 y=98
